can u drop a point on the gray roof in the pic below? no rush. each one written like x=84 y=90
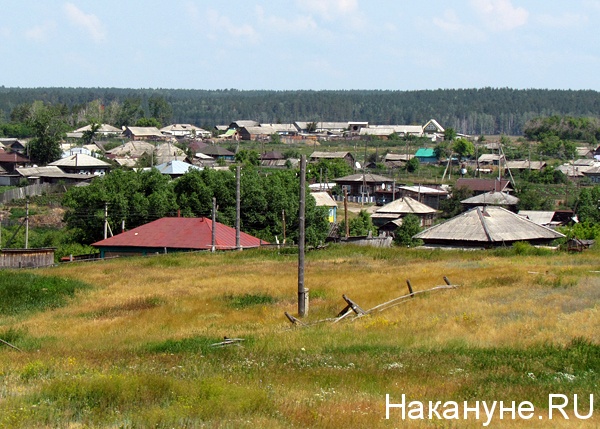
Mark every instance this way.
x=323 y=199
x=397 y=157
x=525 y=165
x=487 y=225
x=103 y=129
x=425 y=190
x=329 y=155
x=492 y=199
x=80 y=160
x=537 y=216
x=405 y=205
x=133 y=148
x=49 y=171
x=145 y=131
x=368 y=178
x=176 y=167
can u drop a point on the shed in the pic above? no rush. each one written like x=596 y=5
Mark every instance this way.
x=323 y=199
x=174 y=234
x=426 y=155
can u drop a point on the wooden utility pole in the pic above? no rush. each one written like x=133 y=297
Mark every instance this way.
x=105 y=221
x=301 y=239
x=213 y=246
x=238 y=196
x=346 y=213
x=27 y=224
x=283 y=223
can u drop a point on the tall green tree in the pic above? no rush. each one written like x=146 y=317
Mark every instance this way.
x=160 y=109
x=47 y=123
x=411 y=225
x=134 y=197
x=463 y=147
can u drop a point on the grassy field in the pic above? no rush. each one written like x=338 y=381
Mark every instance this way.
x=127 y=342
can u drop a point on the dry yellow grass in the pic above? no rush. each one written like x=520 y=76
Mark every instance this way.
x=324 y=376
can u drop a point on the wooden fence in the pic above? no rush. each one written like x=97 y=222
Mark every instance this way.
x=29 y=191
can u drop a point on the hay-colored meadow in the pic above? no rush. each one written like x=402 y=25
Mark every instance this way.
x=134 y=348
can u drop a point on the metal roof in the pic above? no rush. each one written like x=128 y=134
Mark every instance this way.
x=180 y=233
x=492 y=199
x=405 y=205
x=367 y=178
x=176 y=167
x=80 y=160
x=323 y=199
x=487 y=225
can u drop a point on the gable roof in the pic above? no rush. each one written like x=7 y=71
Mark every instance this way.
x=323 y=199
x=103 y=129
x=145 y=131
x=487 y=225
x=180 y=233
x=329 y=155
x=215 y=151
x=368 y=178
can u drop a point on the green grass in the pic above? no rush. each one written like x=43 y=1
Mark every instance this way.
x=248 y=300
x=27 y=292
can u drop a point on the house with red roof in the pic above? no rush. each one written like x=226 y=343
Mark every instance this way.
x=175 y=234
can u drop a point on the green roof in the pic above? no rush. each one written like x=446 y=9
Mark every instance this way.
x=425 y=153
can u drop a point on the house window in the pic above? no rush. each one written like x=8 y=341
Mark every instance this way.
x=366 y=189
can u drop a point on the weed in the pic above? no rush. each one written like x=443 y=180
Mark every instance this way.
x=248 y=300
x=22 y=292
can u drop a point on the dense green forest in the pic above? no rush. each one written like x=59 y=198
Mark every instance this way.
x=471 y=111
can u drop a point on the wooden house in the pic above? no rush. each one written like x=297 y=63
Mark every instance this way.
x=487 y=227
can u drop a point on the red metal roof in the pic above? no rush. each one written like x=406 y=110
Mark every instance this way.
x=180 y=233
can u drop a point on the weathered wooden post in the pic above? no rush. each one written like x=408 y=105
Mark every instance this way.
x=410 y=290
x=346 y=213
x=213 y=246
x=238 y=196
x=302 y=296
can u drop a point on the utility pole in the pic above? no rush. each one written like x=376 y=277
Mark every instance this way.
x=237 y=208
x=346 y=213
x=213 y=246
x=301 y=239
x=27 y=224
x=283 y=224
x=105 y=221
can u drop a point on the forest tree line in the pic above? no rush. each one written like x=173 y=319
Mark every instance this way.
x=485 y=111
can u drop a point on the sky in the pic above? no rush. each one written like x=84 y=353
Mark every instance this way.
x=301 y=44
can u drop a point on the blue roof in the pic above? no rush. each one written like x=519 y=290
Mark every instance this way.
x=425 y=153
x=175 y=167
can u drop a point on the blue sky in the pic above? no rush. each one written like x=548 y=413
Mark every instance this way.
x=301 y=44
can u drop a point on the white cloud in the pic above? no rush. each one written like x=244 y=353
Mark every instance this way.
x=563 y=21
x=300 y=24
x=329 y=9
x=500 y=15
x=222 y=24
x=451 y=24
x=40 y=33
x=89 y=22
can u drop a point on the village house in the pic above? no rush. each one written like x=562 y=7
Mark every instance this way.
x=424 y=194
x=480 y=186
x=175 y=234
x=346 y=156
x=362 y=187
x=143 y=133
x=485 y=227
x=82 y=164
x=185 y=131
x=399 y=209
